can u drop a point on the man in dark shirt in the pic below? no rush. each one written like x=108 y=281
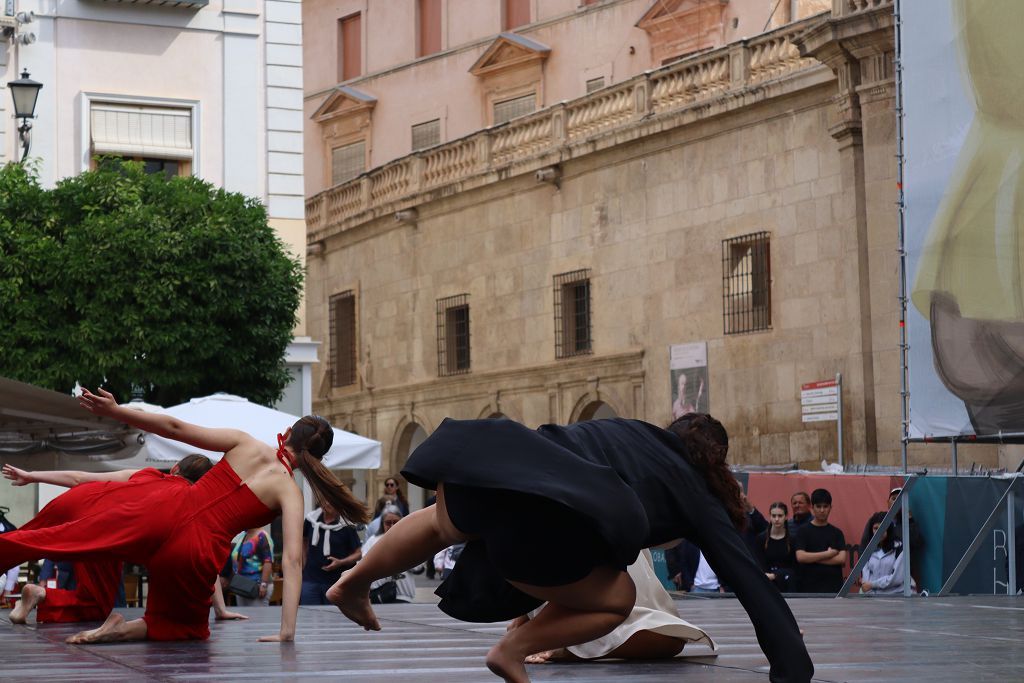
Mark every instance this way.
x=820 y=549
x=800 y=503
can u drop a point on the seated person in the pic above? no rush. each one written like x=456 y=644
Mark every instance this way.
x=653 y=629
x=883 y=574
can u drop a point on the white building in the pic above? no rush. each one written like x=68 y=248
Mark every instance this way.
x=211 y=88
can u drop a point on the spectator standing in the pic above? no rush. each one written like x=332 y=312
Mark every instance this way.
x=10 y=576
x=801 y=504
x=883 y=573
x=705 y=580
x=330 y=546
x=405 y=584
x=756 y=524
x=820 y=549
x=253 y=558
x=683 y=560
x=391 y=488
x=775 y=548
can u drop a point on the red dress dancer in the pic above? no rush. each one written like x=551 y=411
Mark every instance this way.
x=181 y=532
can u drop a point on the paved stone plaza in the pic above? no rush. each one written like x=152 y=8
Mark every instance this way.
x=862 y=639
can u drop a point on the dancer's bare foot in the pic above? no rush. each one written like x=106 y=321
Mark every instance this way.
x=508 y=665
x=31 y=596
x=354 y=603
x=109 y=632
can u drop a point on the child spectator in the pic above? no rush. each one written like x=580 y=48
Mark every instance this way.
x=820 y=549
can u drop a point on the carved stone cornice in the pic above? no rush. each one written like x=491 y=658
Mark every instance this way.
x=858 y=47
x=497 y=385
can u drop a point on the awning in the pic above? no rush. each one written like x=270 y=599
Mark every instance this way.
x=131 y=130
x=36 y=422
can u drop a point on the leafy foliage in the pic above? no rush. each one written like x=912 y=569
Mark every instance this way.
x=123 y=278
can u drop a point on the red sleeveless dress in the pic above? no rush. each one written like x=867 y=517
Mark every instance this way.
x=181 y=532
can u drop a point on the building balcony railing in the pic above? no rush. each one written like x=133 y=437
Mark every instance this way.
x=503 y=150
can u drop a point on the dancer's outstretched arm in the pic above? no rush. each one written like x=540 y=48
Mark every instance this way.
x=68 y=478
x=222 y=440
x=291 y=561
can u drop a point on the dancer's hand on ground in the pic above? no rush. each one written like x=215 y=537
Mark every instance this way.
x=559 y=655
x=229 y=616
x=17 y=476
x=102 y=404
x=276 y=638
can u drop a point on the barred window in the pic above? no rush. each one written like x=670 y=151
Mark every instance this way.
x=572 y=314
x=426 y=134
x=746 y=283
x=343 y=339
x=595 y=84
x=347 y=162
x=453 y=335
x=506 y=110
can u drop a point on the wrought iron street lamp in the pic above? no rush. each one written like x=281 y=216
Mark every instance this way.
x=25 y=92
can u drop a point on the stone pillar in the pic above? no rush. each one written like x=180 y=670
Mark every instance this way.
x=837 y=42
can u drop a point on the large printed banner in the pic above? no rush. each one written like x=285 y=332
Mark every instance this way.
x=963 y=91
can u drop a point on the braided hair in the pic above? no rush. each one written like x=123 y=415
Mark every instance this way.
x=706 y=446
x=310 y=439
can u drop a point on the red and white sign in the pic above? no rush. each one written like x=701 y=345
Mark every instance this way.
x=819 y=401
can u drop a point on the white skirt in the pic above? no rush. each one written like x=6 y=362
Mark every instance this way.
x=654 y=611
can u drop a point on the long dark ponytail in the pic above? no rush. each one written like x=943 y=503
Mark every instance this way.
x=706 y=446
x=310 y=439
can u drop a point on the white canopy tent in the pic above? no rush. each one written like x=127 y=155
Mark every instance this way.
x=349 y=451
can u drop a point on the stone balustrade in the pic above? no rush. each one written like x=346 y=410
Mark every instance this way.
x=727 y=71
x=848 y=7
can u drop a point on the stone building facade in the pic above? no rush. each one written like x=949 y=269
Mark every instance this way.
x=759 y=175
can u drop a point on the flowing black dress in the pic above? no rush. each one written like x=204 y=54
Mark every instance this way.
x=620 y=485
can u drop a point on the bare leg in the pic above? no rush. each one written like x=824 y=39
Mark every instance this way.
x=114 y=630
x=31 y=596
x=576 y=613
x=412 y=541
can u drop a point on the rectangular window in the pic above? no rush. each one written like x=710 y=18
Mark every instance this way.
x=506 y=110
x=517 y=13
x=453 y=335
x=350 y=47
x=343 y=339
x=572 y=314
x=595 y=84
x=160 y=137
x=746 y=283
x=426 y=134
x=429 y=27
x=347 y=162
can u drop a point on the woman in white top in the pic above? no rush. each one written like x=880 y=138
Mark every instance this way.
x=883 y=574
x=653 y=630
x=404 y=582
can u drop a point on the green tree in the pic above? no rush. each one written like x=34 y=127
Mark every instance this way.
x=123 y=278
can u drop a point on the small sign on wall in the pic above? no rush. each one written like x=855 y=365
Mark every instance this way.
x=819 y=401
x=688 y=370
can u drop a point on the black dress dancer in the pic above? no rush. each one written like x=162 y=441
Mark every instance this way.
x=585 y=498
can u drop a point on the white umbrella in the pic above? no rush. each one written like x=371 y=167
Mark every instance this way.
x=349 y=451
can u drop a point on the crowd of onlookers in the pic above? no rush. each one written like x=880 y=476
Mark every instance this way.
x=804 y=553
x=796 y=546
